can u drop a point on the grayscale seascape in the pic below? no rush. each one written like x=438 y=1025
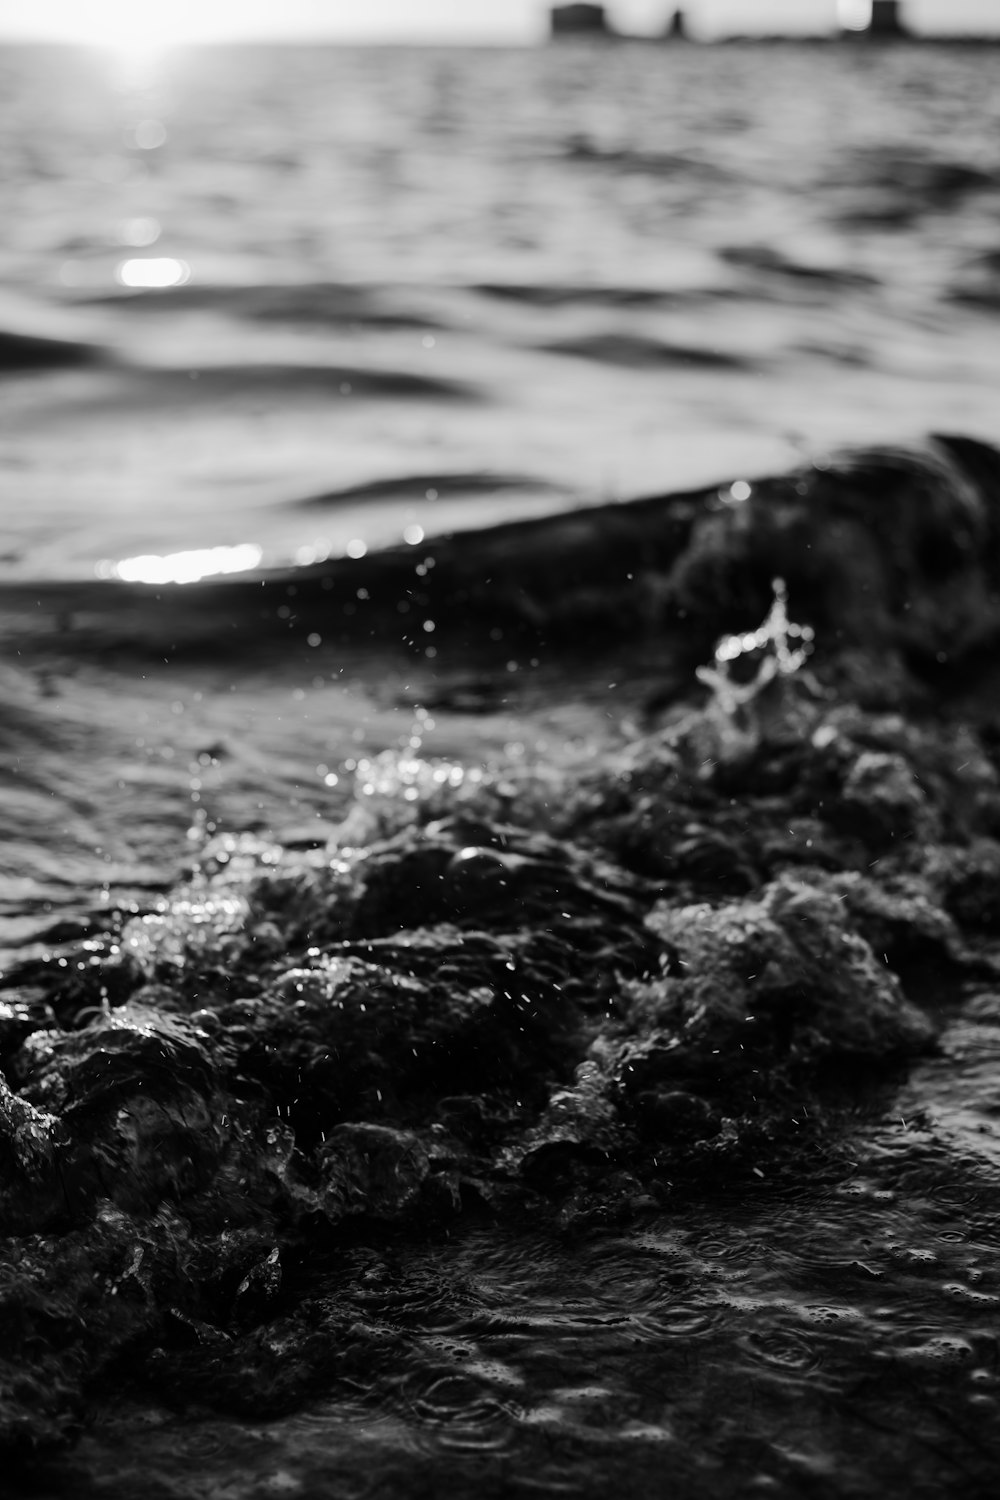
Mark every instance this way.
x=482 y=1014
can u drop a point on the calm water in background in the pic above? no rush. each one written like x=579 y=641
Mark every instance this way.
x=593 y=272
x=431 y=289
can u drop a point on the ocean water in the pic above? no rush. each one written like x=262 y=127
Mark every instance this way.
x=431 y=288
x=400 y=299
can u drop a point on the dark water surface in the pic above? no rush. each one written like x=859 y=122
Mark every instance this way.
x=836 y=1340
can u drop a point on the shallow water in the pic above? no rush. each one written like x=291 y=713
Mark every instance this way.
x=835 y=1340
x=828 y=1329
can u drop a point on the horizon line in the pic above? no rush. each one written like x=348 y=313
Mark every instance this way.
x=467 y=39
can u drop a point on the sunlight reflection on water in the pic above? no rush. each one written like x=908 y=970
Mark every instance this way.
x=182 y=567
x=153 y=271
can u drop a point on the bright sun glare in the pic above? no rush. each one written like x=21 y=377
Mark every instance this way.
x=855 y=15
x=126 y=26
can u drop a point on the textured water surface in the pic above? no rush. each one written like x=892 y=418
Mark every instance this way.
x=431 y=288
x=832 y=1341
x=481 y=1013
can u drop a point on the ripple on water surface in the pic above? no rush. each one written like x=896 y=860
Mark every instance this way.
x=458 y=1410
x=749 y=1348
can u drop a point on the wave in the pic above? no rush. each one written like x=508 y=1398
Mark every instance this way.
x=636 y=352
x=561 y=294
x=433 y=485
x=979 y=283
x=852 y=355
x=892 y=552
x=551 y=993
x=927 y=181
x=316 y=304
x=897 y=188
x=663 y=164
x=765 y=258
x=33 y=351
x=144 y=387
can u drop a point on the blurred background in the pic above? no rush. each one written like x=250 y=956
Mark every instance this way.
x=310 y=289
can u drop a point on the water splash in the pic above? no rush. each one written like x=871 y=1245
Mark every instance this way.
x=743 y=711
x=783 y=645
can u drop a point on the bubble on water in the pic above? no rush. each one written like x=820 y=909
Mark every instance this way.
x=495 y=1372
x=931 y=1347
x=969 y=1294
x=826 y=1314
x=450 y=1347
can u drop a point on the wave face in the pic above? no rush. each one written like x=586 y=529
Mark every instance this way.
x=410 y=1069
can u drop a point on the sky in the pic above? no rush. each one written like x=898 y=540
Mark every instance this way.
x=131 y=22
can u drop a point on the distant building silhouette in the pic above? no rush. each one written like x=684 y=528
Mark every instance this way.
x=887 y=19
x=579 y=20
x=677 y=27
